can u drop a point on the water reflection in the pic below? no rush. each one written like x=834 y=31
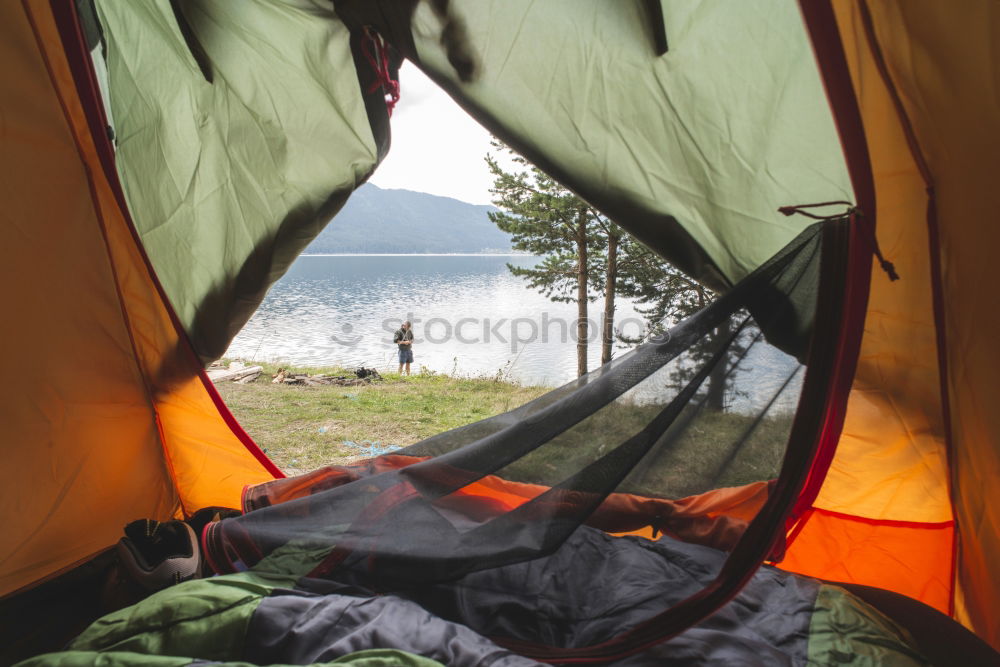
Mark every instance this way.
x=470 y=316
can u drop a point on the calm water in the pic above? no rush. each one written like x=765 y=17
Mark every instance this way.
x=470 y=315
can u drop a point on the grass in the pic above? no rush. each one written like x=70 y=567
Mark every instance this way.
x=703 y=450
x=302 y=428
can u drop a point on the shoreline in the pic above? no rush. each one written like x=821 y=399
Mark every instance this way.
x=500 y=374
x=305 y=427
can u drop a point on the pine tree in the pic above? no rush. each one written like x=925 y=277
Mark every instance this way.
x=547 y=220
x=586 y=256
x=664 y=295
x=667 y=296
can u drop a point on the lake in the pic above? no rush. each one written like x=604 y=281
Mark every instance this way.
x=470 y=316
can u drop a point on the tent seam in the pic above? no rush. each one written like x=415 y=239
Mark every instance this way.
x=934 y=250
x=99 y=214
x=106 y=159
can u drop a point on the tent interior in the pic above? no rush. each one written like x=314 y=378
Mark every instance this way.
x=827 y=167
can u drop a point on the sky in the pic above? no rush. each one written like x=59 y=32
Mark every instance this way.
x=436 y=146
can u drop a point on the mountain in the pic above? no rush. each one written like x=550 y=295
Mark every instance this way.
x=400 y=221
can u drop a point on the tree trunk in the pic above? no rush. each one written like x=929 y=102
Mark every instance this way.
x=716 y=398
x=610 y=281
x=581 y=293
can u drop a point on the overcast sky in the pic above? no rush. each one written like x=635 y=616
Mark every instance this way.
x=436 y=146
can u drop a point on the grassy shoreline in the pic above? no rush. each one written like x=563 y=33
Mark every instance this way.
x=303 y=427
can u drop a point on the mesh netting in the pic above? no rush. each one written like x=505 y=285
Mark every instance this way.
x=682 y=436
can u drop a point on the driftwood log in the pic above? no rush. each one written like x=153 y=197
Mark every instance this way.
x=242 y=374
x=361 y=376
x=237 y=372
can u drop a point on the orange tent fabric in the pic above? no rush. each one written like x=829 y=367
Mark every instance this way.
x=944 y=66
x=914 y=446
x=105 y=382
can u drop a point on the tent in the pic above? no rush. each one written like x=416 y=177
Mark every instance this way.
x=165 y=162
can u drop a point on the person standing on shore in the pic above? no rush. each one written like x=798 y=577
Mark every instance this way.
x=404 y=339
